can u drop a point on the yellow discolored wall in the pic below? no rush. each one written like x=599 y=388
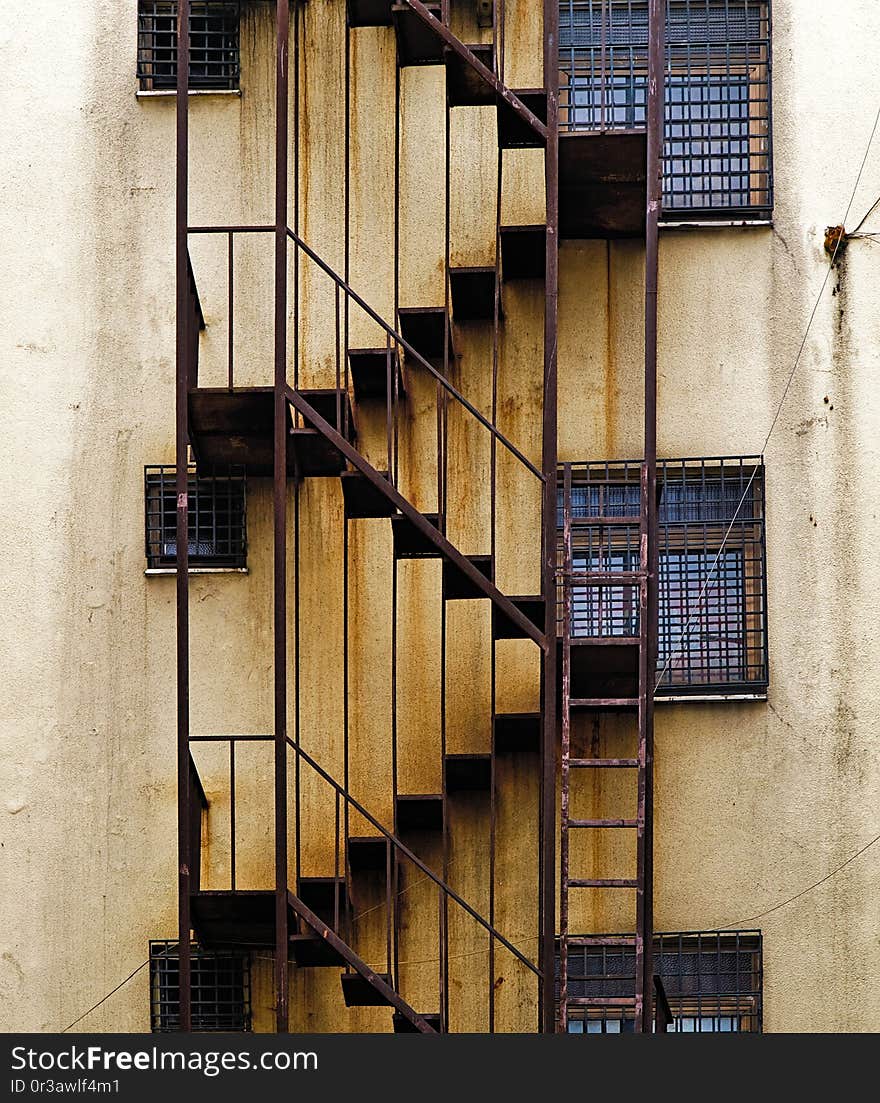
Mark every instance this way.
x=755 y=801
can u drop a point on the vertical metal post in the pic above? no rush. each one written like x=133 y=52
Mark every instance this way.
x=280 y=515
x=648 y=531
x=548 y=541
x=181 y=458
x=565 y=753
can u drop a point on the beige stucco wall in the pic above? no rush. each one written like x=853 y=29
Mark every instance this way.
x=754 y=801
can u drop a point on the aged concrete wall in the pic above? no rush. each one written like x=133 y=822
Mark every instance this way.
x=755 y=801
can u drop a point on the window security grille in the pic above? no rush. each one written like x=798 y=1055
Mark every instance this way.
x=713 y=983
x=713 y=607
x=221 y=998
x=717 y=140
x=214 y=61
x=217 y=525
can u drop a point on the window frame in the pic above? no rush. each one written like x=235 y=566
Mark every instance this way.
x=697 y=511
x=217 y=499
x=695 y=993
x=222 y=1010
x=730 y=154
x=215 y=50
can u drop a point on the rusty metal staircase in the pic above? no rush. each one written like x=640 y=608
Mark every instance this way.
x=293 y=433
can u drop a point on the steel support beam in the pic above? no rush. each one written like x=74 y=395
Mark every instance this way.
x=548 y=535
x=282 y=23
x=183 y=322
x=649 y=601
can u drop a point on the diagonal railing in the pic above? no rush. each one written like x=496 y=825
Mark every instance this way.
x=339 y=934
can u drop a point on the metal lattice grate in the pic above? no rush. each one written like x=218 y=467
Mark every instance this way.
x=221 y=998
x=717 y=140
x=217 y=517
x=214 y=44
x=711 y=543
x=713 y=983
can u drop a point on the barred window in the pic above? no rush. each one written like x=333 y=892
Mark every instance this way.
x=217 y=517
x=717 y=141
x=221 y=998
x=713 y=983
x=214 y=61
x=712 y=578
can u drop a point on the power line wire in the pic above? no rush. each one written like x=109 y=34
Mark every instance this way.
x=710 y=577
x=803 y=892
x=103 y=999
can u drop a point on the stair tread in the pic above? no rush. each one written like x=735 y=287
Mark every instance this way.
x=357 y=991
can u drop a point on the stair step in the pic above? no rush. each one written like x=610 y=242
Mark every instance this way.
x=531 y=607
x=457 y=586
x=409 y=543
x=423 y=327
x=323 y=401
x=369 y=373
x=464 y=87
x=309 y=951
x=603 y=883
x=603 y=823
x=513 y=132
x=358 y=992
x=468 y=772
x=369 y=13
x=320 y=894
x=419 y=812
x=402 y=1025
x=599 y=703
x=367 y=853
x=604 y=763
x=417 y=44
x=473 y=293
x=523 y=252
x=517 y=732
x=362 y=498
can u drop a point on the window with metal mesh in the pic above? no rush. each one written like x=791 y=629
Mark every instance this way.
x=717 y=135
x=214 y=61
x=217 y=517
x=712 y=577
x=713 y=983
x=221 y=997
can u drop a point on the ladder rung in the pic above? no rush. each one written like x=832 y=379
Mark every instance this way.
x=602 y=940
x=605 y=578
x=604 y=519
x=603 y=702
x=603 y=763
x=603 y=823
x=601 y=1001
x=604 y=883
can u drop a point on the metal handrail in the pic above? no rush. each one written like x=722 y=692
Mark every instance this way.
x=392 y=333
x=388 y=835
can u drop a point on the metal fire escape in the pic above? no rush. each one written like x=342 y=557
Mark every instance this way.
x=294 y=433
x=603 y=176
